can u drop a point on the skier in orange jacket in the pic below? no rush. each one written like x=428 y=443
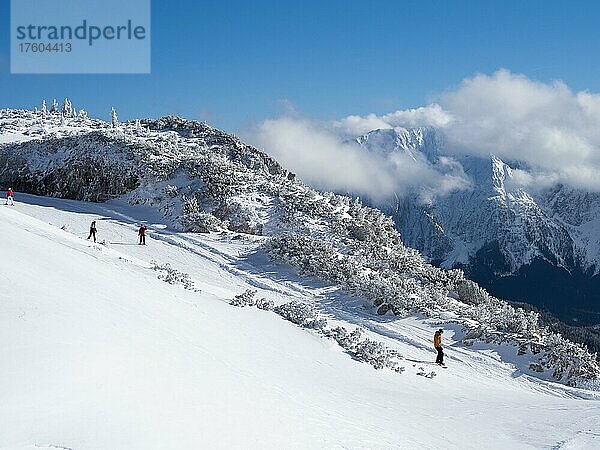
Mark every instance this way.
x=437 y=343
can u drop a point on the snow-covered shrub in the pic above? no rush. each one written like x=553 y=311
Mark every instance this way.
x=201 y=222
x=265 y=304
x=569 y=362
x=301 y=314
x=364 y=349
x=239 y=217
x=195 y=220
x=173 y=276
x=171 y=191
x=470 y=292
x=247 y=298
x=375 y=353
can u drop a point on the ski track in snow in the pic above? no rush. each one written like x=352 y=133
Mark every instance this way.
x=522 y=411
x=59 y=447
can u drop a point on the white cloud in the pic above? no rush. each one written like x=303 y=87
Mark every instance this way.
x=323 y=159
x=544 y=125
x=555 y=131
x=359 y=125
x=547 y=126
x=432 y=115
x=551 y=129
x=531 y=180
x=319 y=157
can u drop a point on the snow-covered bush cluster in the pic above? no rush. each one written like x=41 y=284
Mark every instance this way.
x=204 y=180
x=195 y=220
x=590 y=335
x=248 y=298
x=360 y=348
x=173 y=276
x=306 y=316
x=364 y=349
x=301 y=314
x=415 y=287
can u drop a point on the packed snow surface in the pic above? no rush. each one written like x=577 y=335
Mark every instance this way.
x=103 y=346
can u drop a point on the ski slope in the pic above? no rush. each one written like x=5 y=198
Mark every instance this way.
x=97 y=352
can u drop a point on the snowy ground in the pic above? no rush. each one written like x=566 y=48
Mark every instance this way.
x=96 y=352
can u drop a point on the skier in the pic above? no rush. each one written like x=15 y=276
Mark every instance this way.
x=92 y=230
x=9 y=197
x=142 y=234
x=437 y=343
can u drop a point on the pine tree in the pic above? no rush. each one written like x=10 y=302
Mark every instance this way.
x=44 y=109
x=67 y=108
x=114 y=120
x=54 y=108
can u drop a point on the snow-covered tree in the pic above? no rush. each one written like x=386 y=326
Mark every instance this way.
x=44 y=109
x=54 y=108
x=82 y=113
x=114 y=120
x=67 y=108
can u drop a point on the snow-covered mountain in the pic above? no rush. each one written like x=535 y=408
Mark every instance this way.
x=541 y=246
x=181 y=343
x=193 y=178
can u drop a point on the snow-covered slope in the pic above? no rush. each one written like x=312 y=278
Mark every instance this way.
x=104 y=347
x=506 y=237
x=189 y=176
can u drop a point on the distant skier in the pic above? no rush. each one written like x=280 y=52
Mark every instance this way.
x=437 y=343
x=9 y=197
x=142 y=234
x=93 y=231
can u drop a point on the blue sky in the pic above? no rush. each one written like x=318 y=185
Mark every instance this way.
x=237 y=62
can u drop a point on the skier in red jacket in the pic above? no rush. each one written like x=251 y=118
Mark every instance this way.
x=142 y=234
x=9 y=197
